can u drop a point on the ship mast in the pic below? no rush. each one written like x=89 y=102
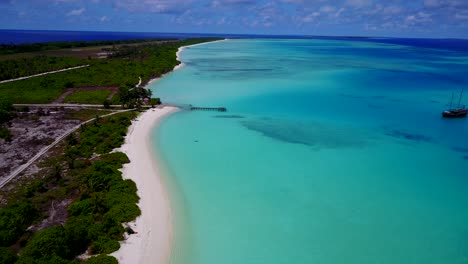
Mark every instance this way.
x=459 y=101
x=451 y=102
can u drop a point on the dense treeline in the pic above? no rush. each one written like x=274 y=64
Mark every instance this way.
x=147 y=61
x=11 y=69
x=32 y=47
x=102 y=201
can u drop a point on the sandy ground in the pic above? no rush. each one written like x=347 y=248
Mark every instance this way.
x=152 y=241
x=31 y=133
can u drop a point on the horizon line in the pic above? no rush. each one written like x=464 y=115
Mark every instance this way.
x=238 y=34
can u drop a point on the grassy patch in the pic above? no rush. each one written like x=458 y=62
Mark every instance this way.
x=11 y=69
x=88 y=97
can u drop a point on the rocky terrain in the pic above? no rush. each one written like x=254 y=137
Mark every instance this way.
x=31 y=132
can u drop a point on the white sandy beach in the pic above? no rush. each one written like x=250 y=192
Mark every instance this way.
x=152 y=241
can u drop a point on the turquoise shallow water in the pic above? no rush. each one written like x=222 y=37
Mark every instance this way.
x=331 y=152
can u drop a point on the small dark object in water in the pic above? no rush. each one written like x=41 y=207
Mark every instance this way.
x=219 y=109
x=196 y=141
x=465 y=157
x=229 y=116
x=455 y=113
x=458 y=112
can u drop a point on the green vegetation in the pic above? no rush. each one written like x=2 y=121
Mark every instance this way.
x=14 y=219
x=155 y=101
x=11 y=69
x=102 y=259
x=5 y=116
x=130 y=97
x=7 y=256
x=148 y=61
x=102 y=200
x=88 y=97
x=107 y=104
x=82 y=173
x=85 y=114
x=31 y=47
x=5 y=134
x=100 y=139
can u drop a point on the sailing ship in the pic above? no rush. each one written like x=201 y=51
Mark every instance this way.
x=457 y=112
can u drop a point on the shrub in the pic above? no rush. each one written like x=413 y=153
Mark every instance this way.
x=33 y=187
x=104 y=245
x=76 y=229
x=45 y=260
x=155 y=101
x=72 y=140
x=7 y=256
x=14 y=219
x=5 y=116
x=46 y=243
x=107 y=104
x=102 y=259
x=5 y=133
x=69 y=84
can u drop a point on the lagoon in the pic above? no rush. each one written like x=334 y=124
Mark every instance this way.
x=332 y=151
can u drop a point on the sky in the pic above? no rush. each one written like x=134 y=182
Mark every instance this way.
x=392 y=18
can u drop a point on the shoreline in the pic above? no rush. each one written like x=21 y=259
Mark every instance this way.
x=181 y=64
x=152 y=240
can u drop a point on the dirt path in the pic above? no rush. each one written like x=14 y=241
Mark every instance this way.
x=44 y=73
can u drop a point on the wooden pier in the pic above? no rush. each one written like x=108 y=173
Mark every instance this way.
x=218 y=109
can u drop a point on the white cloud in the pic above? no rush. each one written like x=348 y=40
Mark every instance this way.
x=392 y=10
x=463 y=15
x=339 y=12
x=311 y=17
x=327 y=9
x=432 y=3
x=104 y=19
x=358 y=3
x=418 y=18
x=155 y=6
x=76 y=12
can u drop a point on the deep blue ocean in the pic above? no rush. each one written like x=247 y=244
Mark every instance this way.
x=35 y=36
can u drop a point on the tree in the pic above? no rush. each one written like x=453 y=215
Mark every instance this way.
x=47 y=243
x=5 y=116
x=14 y=219
x=107 y=104
x=155 y=101
x=7 y=256
x=102 y=259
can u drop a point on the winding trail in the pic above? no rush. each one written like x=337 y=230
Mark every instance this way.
x=44 y=73
x=21 y=168
x=66 y=105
